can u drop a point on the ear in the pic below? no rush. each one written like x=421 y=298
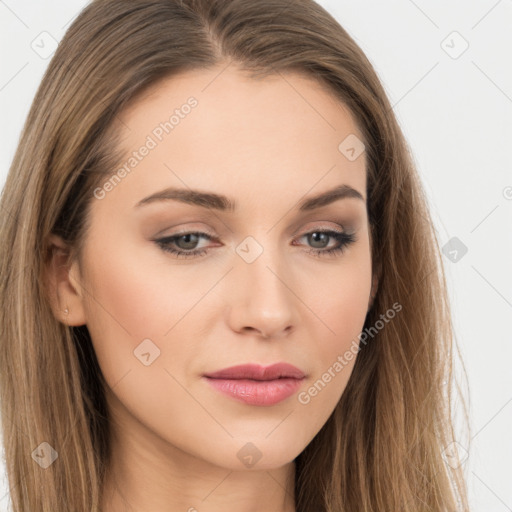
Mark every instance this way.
x=62 y=279
x=373 y=292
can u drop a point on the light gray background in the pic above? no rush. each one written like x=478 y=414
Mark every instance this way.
x=455 y=109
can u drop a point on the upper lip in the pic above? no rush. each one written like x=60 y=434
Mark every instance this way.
x=258 y=372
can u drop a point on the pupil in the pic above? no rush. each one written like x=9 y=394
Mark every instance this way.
x=319 y=237
x=188 y=244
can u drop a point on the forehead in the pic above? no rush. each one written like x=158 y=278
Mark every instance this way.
x=285 y=97
x=221 y=130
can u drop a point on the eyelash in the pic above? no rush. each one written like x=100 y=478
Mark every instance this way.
x=343 y=240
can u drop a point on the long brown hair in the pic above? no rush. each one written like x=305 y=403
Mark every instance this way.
x=382 y=447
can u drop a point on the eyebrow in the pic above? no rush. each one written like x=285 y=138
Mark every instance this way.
x=223 y=203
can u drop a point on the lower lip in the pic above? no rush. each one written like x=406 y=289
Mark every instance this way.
x=254 y=392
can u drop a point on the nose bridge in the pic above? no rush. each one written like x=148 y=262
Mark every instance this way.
x=262 y=298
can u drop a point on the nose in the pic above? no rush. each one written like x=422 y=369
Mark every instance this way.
x=261 y=297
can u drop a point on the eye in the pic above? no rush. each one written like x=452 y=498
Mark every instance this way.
x=185 y=245
x=320 y=239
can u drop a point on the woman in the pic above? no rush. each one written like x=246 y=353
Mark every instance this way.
x=219 y=274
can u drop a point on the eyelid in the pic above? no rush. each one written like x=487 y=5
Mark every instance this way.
x=185 y=231
x=339 y=226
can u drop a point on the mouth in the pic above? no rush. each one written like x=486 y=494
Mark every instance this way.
x=257 y=385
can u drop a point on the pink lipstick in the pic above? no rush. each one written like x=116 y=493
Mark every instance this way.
x=257 y=385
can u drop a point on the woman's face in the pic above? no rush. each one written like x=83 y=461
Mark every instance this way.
x=256 y=281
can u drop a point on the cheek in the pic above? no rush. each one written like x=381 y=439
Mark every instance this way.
x=339 y=300
x=135 y=293
x=344 y=304
x=339 y=296
x=128 y=300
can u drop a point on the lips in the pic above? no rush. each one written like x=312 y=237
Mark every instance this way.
x=257 y=385
x=257 y=372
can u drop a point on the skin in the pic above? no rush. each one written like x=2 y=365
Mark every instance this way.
x=266 y=144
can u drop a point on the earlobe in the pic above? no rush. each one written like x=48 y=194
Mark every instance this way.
x=63 y=283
